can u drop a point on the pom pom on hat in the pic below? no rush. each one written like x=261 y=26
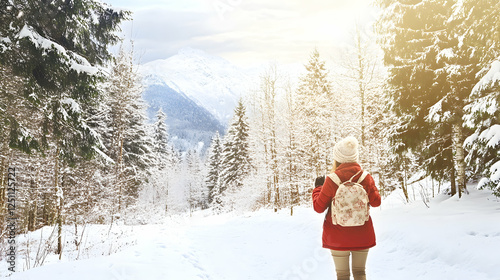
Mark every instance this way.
x=346 y=150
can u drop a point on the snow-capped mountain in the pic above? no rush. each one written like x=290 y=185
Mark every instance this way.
x=199 y=92
x=210 y=81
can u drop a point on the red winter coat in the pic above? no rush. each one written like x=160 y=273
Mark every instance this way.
x=341 y=238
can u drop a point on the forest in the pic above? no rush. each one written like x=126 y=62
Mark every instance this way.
x=419 y=90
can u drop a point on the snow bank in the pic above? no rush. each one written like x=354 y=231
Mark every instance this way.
x=453 y=239
x=38 y=248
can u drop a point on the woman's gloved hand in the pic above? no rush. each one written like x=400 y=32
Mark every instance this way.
x=320 y=181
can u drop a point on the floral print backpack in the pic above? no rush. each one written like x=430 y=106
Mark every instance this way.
x=350 y=206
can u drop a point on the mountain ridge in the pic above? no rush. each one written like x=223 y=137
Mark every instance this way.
x=197 y=91
x=211 y=81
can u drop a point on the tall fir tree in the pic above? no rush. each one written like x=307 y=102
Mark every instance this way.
x=316 y=106
x=236 y=164
x=214 y=170
x=154 y=194
x=161 y=146
x=129 y=144
x=417 y=45
x=55 y=48
x=480 y=31
x=483 y=115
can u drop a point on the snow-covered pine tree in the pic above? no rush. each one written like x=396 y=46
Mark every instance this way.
x=416 y=38
x=483 y=115
x=481 y=35
x=466 y=53
x=162 y=147
x=154 y=193
x=236 y=163
x=55 y=47
x=130 y=144
x=213 y=180
x=316 y=106
x=449 y=47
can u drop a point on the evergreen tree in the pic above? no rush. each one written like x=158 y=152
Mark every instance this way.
x=435 y=60
x=316 y=105
x=130 y=144
x=162 y=148
x=483 y=115
x=236 y=159
x=480 y=31
x=214 y=175
x=55 y=48
x=418 y=39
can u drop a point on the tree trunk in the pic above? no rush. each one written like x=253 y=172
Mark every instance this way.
x=59 y=203
x=3 y=187
x=32 y=208
x=6 y=155
x=361 y=79
x=403 y=184
x=119 y=175
x=362 y=96
x=459 y=157
x=166 y=199
x=405 y=190
x=277 y=198
x=452 y=181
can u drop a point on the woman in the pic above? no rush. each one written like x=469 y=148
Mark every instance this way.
x=346 y=241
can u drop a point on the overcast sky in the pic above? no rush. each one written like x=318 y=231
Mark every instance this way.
x=245 y=32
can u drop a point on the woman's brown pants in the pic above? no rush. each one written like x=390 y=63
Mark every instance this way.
x=341 y=259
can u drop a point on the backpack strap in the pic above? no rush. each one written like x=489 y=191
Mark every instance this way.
x=350 y=180
x=335 y=178
x=363 y=176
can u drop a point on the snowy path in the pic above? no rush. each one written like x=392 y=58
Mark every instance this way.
x=451 y=240
x=161 y=253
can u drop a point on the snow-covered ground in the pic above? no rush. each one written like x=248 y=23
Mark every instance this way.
x=453 y=239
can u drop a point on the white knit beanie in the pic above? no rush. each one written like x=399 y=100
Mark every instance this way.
x=346 y=150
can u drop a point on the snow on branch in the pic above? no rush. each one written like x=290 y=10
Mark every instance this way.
x=103 y=155
x=495 y=173
x=483 y=104
x=75 y=107
x=436 y=113
x=490 y=79
x=4 y=43
x=77 y=62
x=446 y=53
x=491 y=136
